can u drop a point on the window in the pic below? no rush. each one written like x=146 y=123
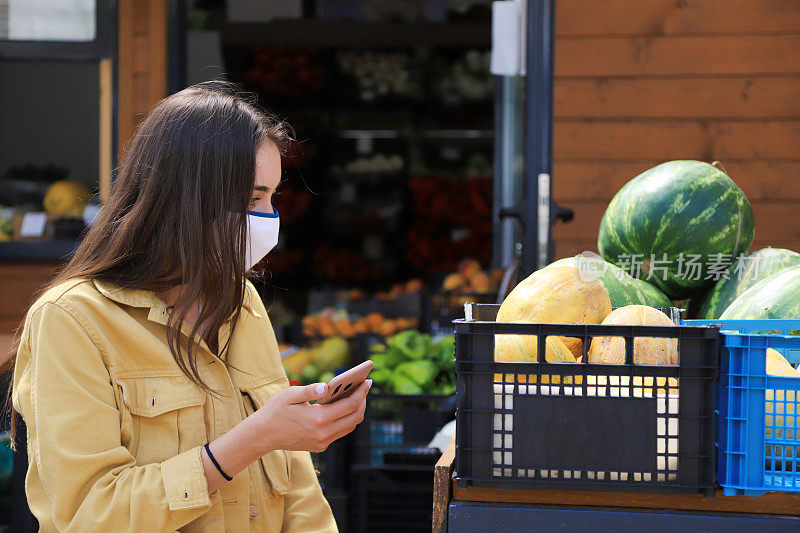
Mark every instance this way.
x=56 y=29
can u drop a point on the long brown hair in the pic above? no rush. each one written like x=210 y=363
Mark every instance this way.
x=177 y=212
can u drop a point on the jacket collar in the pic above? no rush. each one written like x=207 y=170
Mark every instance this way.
x=147 y=298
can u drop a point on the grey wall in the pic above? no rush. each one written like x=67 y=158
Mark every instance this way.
x=49 y=113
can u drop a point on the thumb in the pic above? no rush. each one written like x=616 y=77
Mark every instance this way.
x=315 y=391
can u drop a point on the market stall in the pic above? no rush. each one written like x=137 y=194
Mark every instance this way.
x=441 y=147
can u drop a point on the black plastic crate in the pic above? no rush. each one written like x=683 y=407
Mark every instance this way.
x=397 y=429
x=340 y=507
x=386 y=501
x=576 y=426
x=447 y=306
x=333 y=465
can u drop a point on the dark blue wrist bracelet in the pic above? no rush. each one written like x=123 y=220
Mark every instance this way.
x=216 y=464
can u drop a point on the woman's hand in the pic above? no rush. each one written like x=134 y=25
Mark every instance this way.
x=289 y=422
x=286 y=422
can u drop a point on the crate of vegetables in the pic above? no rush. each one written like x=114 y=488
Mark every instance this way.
x=556 y=390
x=412 y=398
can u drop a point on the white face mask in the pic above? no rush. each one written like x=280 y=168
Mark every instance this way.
x=262 y=236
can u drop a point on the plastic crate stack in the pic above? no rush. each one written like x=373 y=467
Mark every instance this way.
x=392 y=472
x=333 y=468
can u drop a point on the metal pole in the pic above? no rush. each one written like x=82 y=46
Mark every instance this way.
x=508 y=170
x=539 y=134
x=176 y=68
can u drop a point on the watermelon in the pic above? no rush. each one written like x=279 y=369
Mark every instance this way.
x=745 y=272
x=680 y=221
x=694 y=304
x=622 y=288
x=775 y=296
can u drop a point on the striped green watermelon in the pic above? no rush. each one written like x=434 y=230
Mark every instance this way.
x=622 y=288
x=746 y=272
x=681 y=221
x=773 y=297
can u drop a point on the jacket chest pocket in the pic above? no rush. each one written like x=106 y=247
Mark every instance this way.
x=275 y=463
x=160 y=416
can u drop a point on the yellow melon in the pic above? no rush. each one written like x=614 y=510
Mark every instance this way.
x=66 y=198
x=553 y=295
x=777 y=365
x=777 y=403
x=514 y=348
x=646 y=350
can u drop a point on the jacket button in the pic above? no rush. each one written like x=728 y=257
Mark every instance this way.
x=253 y=511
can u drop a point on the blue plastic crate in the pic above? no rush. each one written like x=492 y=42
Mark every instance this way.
x=758 y=415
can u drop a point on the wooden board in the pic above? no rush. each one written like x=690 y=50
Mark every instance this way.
x=142 y=67
x=621 y=17
x=676 y=56
x=106 y=134
x=442 y=484
x=666 y=140
x=640 y=83
x=21 y=282
x=772 y=503
x=692 y=98
x=573 y=179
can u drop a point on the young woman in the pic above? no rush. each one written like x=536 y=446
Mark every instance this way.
x=148 y=373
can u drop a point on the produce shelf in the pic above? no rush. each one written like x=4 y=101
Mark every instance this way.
x=357 y=34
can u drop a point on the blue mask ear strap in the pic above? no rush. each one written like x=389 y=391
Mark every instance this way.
x=264 y=215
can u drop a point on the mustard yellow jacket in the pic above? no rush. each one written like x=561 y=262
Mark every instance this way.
x=115 y=429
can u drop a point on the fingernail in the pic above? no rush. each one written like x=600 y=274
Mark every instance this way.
x=369 y=383
x=320 y=388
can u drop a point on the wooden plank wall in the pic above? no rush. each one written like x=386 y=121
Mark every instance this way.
x=142 y=56
x=642 y=82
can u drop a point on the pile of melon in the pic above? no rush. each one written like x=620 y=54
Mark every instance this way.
x=567 y=294
x=678 y=232
x=686 y=227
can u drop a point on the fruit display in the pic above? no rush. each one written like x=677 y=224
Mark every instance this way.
x=672 y=213
x=466 y=79
x=285 y=71
x=743 y=274
x=551 y=295
x=66 y=198
x=330 y=322
x=374 y=164
x=452 y=219
x=292 y=203
x=342 y=265
x=379 y=74
x=646 y=350
x=318 y=363
x=279 y=261
x=414 y=363
x=774 y=297
x=471 y=279
x=412 y=286
x=623 y=289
